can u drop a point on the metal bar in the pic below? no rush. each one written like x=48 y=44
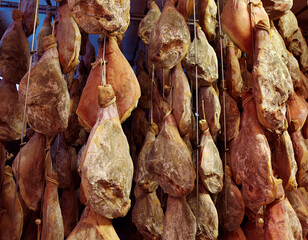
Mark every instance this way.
x=302 y=10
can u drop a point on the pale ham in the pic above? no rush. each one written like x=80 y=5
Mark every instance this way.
x=93 y=227
x=235 y=20
x=207 y=18
x=48 y=97
x=107 y=189
x=119 y=75
x=29 y=169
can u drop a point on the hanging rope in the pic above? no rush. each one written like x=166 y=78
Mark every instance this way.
x=251 y=29
x=103 y=82
x=196 y=114
x=152 y=88
x=24 y=119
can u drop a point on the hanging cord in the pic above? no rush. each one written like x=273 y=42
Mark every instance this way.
x=251 y=30
x=197 y=115
x=152 y=88
x=24 y=120
x=103 y=82
x=224 y=87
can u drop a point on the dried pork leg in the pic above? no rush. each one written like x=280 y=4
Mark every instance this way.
x=169 y=39
x=232 y=116
x=89 y=57
x=147 y=23
x=11 y=112
x=211 y=169
x=208 y=96
x=14 y=50
x=237 y=234
x=278 y=43
x=276 y=8
x=120 y=75
x=207 y=215
x=302 y=88
x=46 y=30
x=272 y=83
x=230 y=204
x=28 y=14
x=185 y=7
x=170 y=160
x=301 y=157
x=250 y=159
x=52 y=224
x=145 y=85
x=107 y=189
x=299 y=201
x=61 y=162
x=48 y=97
x=30 y=162
x=68 y=39
x=69 y=210
x=294 y=69
x=233 y=74
x=139 y=127
x=93 y=227
x=181 y=99
x=207 y=18
x=147 y=181
x=253 y=232
x=147 y=215
x=2 y=162
x=283 y=161
x=103 y=17
x=281 y=222
x=297 y=112
x=179 y=222
x=7 y=209
x=207 y=63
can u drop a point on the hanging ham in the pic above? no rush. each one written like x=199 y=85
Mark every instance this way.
x=107 y=189
x=14 y=50
x=207 y=18
x=68 y=39
x=185 y=7
x=276 y=8
x=207 y=63
x=93 y=227
x=11 y=112
x=120 y=75
x=28 y=14
x=147 y=215
x=169 y=39
x=29 y=169
x=103 y=17
x=46 y=30
x=48 y=98
x=272 y=84
x=237 y=234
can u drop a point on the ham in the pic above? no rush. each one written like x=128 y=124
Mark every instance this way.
x=185 y=7
x=207 y=63
x=48 y=97
x=211 y=168
x=28 y=14
x=207 y=18
x=181 y=99
x=207 y=216
x=235 y=20
x=2 y=162
x=120 y=75
x=14 y=50
x=169 y=39
x=93 y=227
x=294 y=70
x=277 y=8
x=147 y=23
x=107 y=190
x=179 y=222
x=281 y=222
x=170 y=160
x=272 y=84
x=46 y=30
x=230 y=204
x=29 y=169
x=250 y=159
x=7 y=208
x=237 y=234
x=68 y=39
x=104 y=17
x=11 y=112
x=139 y=128
x=147 y=214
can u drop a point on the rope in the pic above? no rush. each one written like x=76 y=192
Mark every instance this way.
x=113 y=100
x=152 y=87
x=197 y=115
x=49 y=179
x=223 y=97
x=251 y=29
x=38 y=222
x=163 y=84
x=51 y=46
x=103 y=82
x=8 y=173
x=247 y=100
x=24 y=120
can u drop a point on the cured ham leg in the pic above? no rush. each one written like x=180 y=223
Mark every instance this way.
x=276 y=8
x=45 y=31
x=147 y=214
x=48 y=97
x=119 y=75
x=237 y=234
x=28 y=14
x=185 y=7
x=207 y=18
x=93 y=227
x=14 y=50
x=30 y=162
x=68 y=39
x=107 y=189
